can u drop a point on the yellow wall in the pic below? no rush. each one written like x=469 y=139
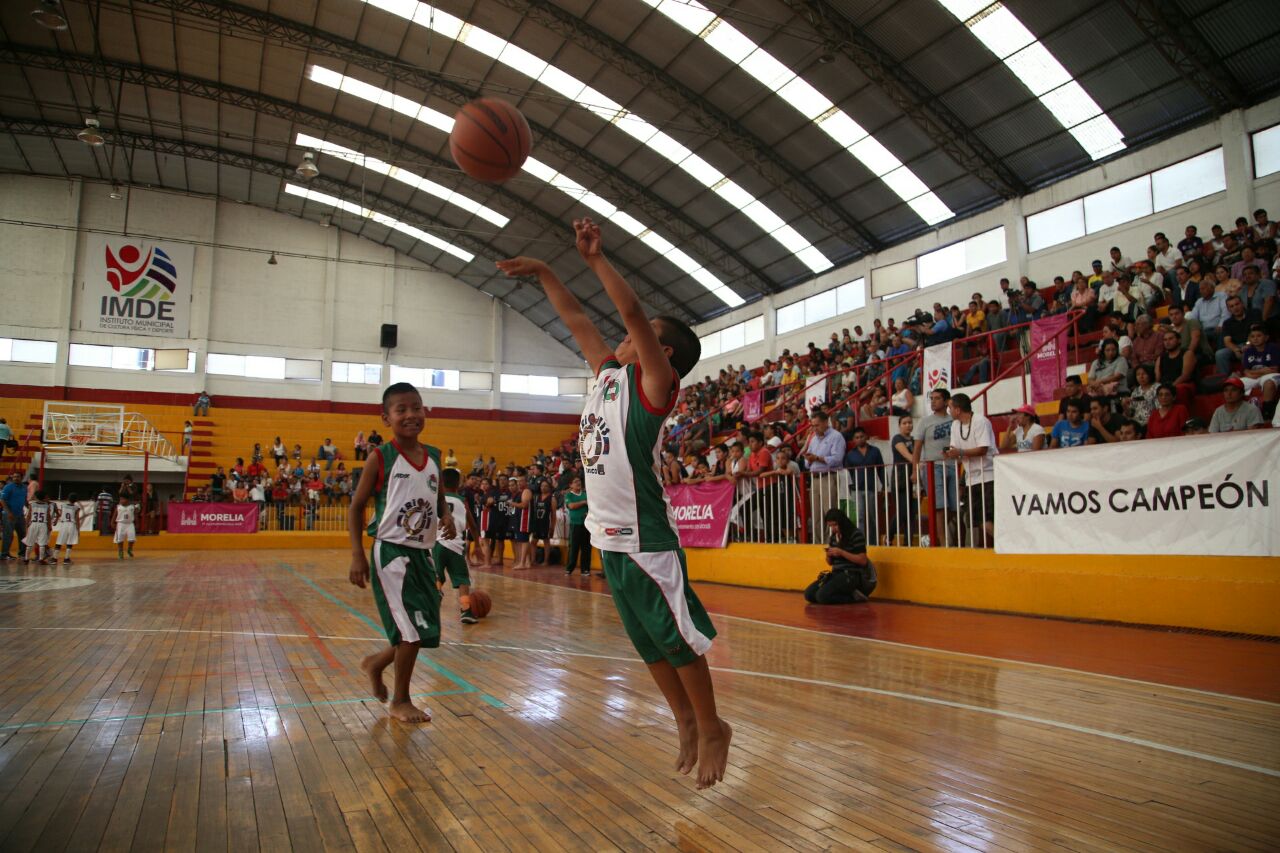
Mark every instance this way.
x=1239 y=594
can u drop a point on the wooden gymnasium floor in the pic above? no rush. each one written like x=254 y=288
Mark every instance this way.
x=212 y=701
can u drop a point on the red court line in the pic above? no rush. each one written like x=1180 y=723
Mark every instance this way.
x=1236 y=666
x=304 y=625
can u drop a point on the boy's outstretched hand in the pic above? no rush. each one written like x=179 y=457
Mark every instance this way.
x=522 y=266
x=587 y=236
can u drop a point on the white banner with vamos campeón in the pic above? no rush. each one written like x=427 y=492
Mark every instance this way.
x=1196 y=494
x=135 y=287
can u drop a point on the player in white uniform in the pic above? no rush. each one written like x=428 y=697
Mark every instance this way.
x=449 y=555
x=125 y=533
x=628 y=516
x=67 y=519
x=39 y=517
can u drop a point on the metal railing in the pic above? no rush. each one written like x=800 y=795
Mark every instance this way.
x=897 y=505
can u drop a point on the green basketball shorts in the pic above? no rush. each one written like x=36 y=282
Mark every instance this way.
x=452 y=563
x=660 y=611
x=404 y=587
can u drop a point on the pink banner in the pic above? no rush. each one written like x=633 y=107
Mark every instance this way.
x=213 y=518
x=752 y=406
x=1049 y=364
x=702 y=512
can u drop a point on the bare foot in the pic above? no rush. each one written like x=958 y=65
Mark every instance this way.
x=376 y=686
x=407 y=712
x=713 y=755
x=688 y=733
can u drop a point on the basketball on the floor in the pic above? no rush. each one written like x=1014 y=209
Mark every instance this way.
x=490 y=140
x=481 y=603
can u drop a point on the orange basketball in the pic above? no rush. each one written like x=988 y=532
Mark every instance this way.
x=490 y=140
x=481 y=604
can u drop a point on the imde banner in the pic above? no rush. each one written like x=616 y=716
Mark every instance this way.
x=213 y=518
x=135 y=287
x=815 y=395
x=752 y=406
x=702 y=512
x=1195 y=494
x=1048 y=365
x=937 y=367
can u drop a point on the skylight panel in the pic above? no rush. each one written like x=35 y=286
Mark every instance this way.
x=565 y=85
x=1043 y=75
x=532 y=166
x=657 y=242
x=692 y=17
x=930 y=208
x=771 y=73
x=812 y=257
x=701 y=170
x=808 y=101
x=905 y=183
x=761 y=215
x=522 y=60
x=669 y=148
x=493 y=46
x=874 y=156
x=737 y=197
x=844 y=130
x=381 y=219
x=727 y=40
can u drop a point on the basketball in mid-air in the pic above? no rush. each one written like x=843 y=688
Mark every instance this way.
x=481 y=604
x=490 y=140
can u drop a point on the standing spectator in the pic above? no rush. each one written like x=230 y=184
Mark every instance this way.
x=279 y=452
x=127 y=489
x=201 y=407
x=1169 y=416
x=823 y=453
x=866 y=476
x=903 y=516
x=362 y=446
x=187 y=432
x=575 y=503
x=1027 y=434
x=13 y=503
x=1235 y=414
x=451 y=461
x=932 y=435
x=973 y=442
x=217 y=484
x=1072 y=431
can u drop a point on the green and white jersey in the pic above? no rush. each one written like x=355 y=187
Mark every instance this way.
x=458 y=509
x=406 y=496
x=619 y=438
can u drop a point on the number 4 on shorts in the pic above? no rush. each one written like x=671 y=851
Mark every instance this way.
x=419 y=620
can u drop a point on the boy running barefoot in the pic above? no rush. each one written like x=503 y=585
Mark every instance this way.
x=403 y=476
x=450 y=554
x=628 y=517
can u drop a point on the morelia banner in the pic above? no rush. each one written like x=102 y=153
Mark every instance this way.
x=1049 y=363
x=136 y=287
x=1189 y=495
x=213 y=518
x=702 y=512
x=752 y=406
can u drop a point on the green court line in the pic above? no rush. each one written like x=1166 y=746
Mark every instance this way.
x=464 y=685
x=233 y=710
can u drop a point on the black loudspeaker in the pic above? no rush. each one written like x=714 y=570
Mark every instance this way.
x=389 y=333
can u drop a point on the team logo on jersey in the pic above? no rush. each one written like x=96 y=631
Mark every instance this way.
x=593 y=442
x=415 y=517
x=611 y=389
x=432 y=482
x=618 y=531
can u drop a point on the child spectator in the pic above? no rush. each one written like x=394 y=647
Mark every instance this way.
x=361 y=446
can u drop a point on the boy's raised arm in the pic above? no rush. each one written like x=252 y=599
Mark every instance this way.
x=655 y=362
x=589 y=339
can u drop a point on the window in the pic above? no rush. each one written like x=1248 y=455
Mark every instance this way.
x=126 y=358
x=734 y=337
x=895 y=278
x=1266 y=152
x=1188 y=180
x=821 y=306
x=358 y=372
x=573 y=386
x=262 y=366
x=32 y=352
x=426 y=377
x=306 y=369
x=475 y=380
x=975 y=253
x=222 y=364
x=518 y=383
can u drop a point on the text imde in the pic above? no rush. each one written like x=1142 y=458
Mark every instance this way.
x=142 y=309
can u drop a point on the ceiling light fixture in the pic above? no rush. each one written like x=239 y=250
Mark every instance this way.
x=326 y=220
x=308 y=169
x=92 y=134
x=272 y=260
x=49 y=15
x=117 y=192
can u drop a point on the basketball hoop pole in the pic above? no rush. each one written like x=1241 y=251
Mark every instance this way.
x=146 y=471
x=40 y=475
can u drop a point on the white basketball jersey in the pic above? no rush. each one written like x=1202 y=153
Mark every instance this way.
x=125 y=514
x=406 y=498
x=458 y=509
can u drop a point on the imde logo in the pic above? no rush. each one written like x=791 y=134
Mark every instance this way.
x=141 y=284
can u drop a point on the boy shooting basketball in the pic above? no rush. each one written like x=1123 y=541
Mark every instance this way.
x=628 y=516
x=404 y=477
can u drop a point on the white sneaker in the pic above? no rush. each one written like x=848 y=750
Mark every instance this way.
x=924 y=540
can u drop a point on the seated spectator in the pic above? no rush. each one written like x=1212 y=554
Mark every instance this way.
x=313 y=468
x=1148 y=281
x=201 y=407
x=1146 y=343
x=297 y=453
x=1211 y=312
x=201 y=495
x=1075 y=391
x=255 y=470
x=1248 y=258
x=1235 y=414
x=1177 y=367
x=1128 y=431
x=237 y=470
x=1190 y=246
x=240 y=493
x=328 y=452
x=1195 y=426
x=1108 y=375
x=1261 y=368
x=1235 y=334
x=1190 y=333
x=851 y=577
x=902 y=400
x=1142 y=399
x=1223 y=282
x=1084 y=299
x=1118 y=262
x=1027 y=435
x=1169 y=416
x=1104 y=425
x=1259 y=294
x=1071 y=431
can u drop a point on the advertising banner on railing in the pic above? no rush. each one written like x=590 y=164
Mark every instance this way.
x=136 y=287
x=937 y=367
x=1049 y=364
x=815 y=395
x=752 y=406
x=702 y=512
x=213 y=518
x=1190 y=495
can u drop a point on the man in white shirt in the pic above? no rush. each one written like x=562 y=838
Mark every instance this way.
x=1149 y=282
x=1118 y=262
x=973 y=444
x=1106 y=292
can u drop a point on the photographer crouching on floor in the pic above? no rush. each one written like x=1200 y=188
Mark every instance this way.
x=852 y=577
